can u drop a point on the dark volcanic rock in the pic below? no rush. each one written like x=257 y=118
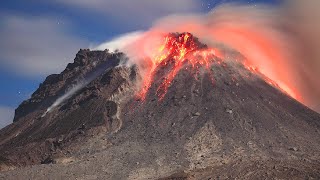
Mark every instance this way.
x=86 y=64
x=199 y=130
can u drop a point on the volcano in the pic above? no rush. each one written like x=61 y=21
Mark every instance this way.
x=190 y=115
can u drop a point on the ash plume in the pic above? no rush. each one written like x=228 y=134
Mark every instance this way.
x=281 y=41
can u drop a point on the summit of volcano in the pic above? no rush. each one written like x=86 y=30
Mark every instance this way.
x=186 y=113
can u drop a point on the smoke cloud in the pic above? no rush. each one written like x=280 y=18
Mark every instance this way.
x=281 y=41
x=119 y=42
x=66 y=96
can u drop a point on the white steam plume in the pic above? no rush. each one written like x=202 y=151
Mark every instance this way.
x=113 y=45
x=119 y=42
x=66 y=96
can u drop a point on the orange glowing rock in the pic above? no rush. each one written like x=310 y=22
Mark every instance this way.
x=185 y=49
x=179 y=49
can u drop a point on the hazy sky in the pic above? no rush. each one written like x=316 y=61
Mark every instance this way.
x=39 y=38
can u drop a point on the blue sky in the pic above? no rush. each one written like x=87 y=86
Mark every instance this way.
x=39 y=38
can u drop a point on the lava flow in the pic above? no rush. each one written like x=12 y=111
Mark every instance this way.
x=178 y=49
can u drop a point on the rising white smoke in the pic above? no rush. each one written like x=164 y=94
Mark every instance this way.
x=67 y=95
x=113 y=45
x=282 y=41
x=119 y=42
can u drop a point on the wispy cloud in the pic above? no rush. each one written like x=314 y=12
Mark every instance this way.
x=135 y=12
x=6 y=116
x=36 y=46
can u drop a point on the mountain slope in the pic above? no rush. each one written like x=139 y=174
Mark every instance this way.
x=233 y=126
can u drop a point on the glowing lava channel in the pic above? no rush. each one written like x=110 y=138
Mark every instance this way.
x=178 y=49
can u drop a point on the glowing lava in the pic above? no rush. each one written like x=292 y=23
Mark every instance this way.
x=178 y=50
